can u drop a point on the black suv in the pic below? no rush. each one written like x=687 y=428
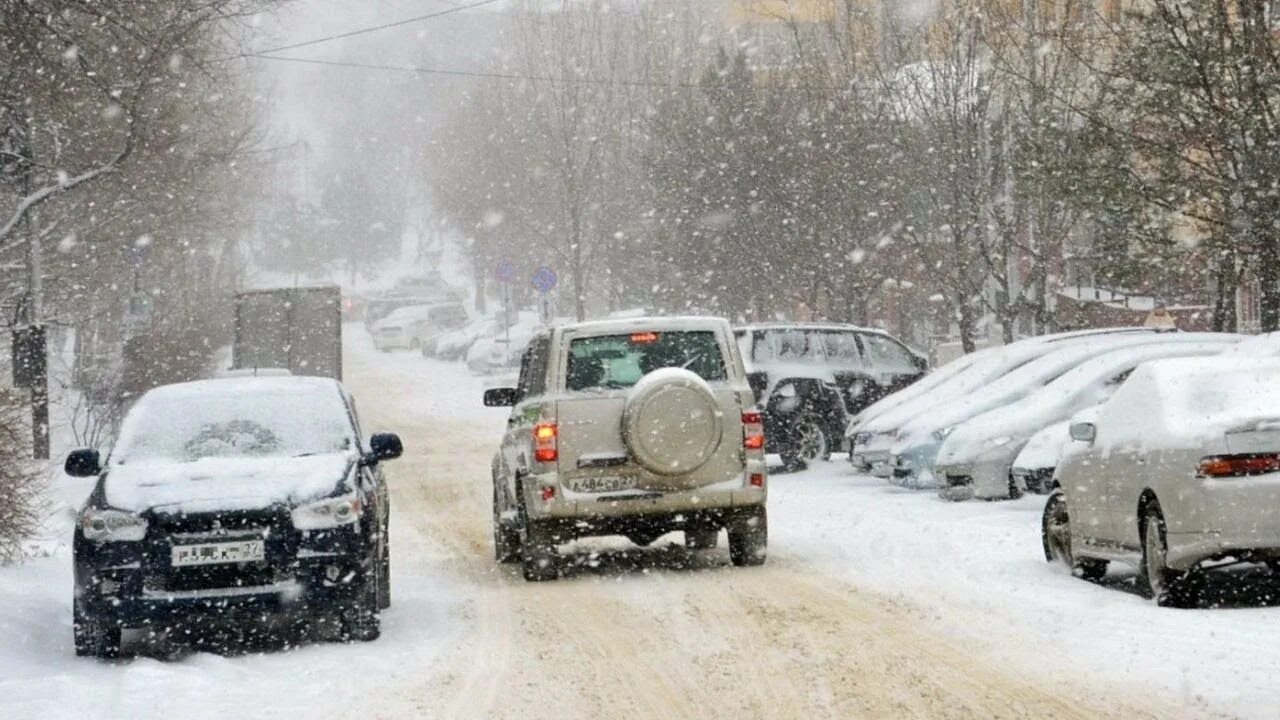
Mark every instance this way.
x=233 y=500
x=811 y=378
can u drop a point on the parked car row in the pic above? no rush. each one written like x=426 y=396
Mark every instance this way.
x=1157 y=449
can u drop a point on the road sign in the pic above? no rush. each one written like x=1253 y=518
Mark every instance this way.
x=137 y=254
x=506 y=271
x=544 y=278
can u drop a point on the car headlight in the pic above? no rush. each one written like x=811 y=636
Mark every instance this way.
x=943 y=433
x=327 y=514
x=102 y=525
x=999 y=441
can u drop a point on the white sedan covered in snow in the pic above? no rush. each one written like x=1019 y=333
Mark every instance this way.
x=977 y=457
x=1180 y=474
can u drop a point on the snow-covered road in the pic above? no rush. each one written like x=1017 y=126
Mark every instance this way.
x=876 y=602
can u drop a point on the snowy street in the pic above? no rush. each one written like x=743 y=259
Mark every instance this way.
x=876 y=602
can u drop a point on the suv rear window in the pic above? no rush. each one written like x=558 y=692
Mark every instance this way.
x=619 y=361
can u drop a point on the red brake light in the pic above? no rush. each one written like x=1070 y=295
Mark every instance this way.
x=644 y=338
x=753 y=430
x=1238 y=465
x=545 y=448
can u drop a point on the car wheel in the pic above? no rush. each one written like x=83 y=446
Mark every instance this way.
x=93 y=638
x=1015 y=491
x=1155 y=579
x=749 y=538
x=812 y=441
x=384 y=573
x=537 y=550
x=701 y=538
x=506 y=541
x=359 y=619
x=1055 y=537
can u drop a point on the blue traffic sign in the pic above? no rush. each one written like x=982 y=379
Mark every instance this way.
x=544 y=278
x=506 y=271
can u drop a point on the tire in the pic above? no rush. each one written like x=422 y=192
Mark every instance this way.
x=359 y=619
x=812 y=442
x=1055 y=538
x=537 y=555
x=506 y=540
x=749 y=538
x=1155 y=580
x=384 y=573
x=94 y=638
x=701 y=539
x=1015 y=492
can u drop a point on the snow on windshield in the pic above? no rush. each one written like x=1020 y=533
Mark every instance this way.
x=261 y=424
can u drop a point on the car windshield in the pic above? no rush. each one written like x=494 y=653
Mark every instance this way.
x=187 y=427
x=619 y=361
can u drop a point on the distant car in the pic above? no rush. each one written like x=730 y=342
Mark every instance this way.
x=873 y=438
x=454 y=345
x=919 y=441
x=233 y=500
x=381 y=306
x=1179 y=474
x=634 y=427
x=429 y=285
x=976 y=459
x=501 y=350
x=810 y=378
x=408 y=327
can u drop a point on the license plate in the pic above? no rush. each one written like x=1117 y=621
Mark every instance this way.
x=601 y=484
x=239 y=551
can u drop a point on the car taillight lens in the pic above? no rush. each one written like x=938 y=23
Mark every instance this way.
x=753 y=430
x=1215 y=466
x=545 y=448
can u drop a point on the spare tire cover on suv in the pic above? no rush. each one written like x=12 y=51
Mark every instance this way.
x=672 y=423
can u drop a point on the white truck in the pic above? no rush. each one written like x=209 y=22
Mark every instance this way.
x=295 y=329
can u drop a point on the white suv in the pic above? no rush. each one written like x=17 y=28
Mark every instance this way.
x=631 y=427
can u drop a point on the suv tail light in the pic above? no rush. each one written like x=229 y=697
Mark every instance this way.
x=545 y=448
x=1216 y=466
x=753 y=430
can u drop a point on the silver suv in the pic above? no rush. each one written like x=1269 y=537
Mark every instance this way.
x=634 y=427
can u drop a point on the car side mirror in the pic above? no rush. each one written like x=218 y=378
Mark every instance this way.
x=1084 y=432
x=759 y=382
x=383 y=446
x=83 y=463
x=501 y=397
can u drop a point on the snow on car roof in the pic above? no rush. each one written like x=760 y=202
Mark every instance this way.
x=242 y=386
x=677 y=323
x=1170 y=403
x=808 y=326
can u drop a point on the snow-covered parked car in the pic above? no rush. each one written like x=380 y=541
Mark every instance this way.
x=633 y=427
x=1034 y=467
x=857 y=439
x=231 y=501
x=976 y=459
x=873 y=439
x=409 y=327
x=454 y=345
x=916 y=448
x=810 y=378
x=500 y=351
x=1180 y=473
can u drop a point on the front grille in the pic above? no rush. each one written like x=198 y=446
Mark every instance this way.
x=167 y=530
x=959 y=480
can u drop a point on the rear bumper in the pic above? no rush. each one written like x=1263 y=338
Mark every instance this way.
x=603 y=507
x=1230 y=517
